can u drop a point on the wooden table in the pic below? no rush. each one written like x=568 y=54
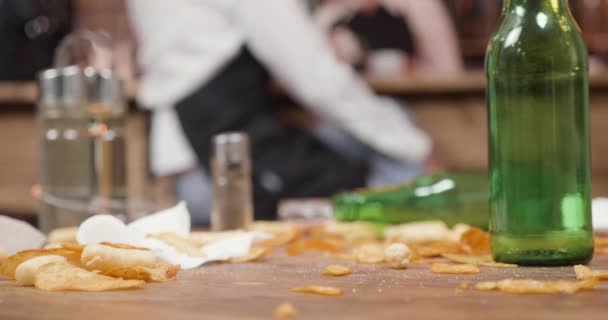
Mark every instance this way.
x=252 y=291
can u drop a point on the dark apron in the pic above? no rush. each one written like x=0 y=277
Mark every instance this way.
x=288 y=162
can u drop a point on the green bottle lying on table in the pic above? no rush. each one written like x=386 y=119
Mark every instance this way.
x=540 y=184
x=459 y=197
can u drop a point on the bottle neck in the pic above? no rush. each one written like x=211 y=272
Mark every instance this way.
x=520 y=6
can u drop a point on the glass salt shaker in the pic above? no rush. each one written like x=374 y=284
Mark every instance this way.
x=232 y=186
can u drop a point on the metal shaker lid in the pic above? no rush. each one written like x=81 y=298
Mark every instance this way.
x=62 y=88
x=104 y=88
x=231 y=149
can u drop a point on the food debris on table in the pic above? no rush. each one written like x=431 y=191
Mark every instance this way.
x=444 y=268
x=336 y=271
x=529 y=286
x=318 y=290
x=398 y=255
x=584 y=272
x=284 y=311
x=97 y=267
x=255 y=253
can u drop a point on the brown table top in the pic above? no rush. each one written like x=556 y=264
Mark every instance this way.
x=253 y=290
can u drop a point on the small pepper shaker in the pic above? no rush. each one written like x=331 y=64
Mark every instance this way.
x=232 y=189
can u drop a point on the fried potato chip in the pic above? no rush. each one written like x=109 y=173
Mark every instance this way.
x=201 y=238
x=435 y=249
x=160 y=272
x=345 y=256
x=254 y=254
x=61 y=276
x=494 y=264
x=123 y=246
x=3 y=254
x=544 y=287
x=444 y=268
x=63 y=235
x=463 y=285
x=181 y=244
x=398 y=255
x=484 y=260
x=477 y=241
x=104 y=257
x=319 y=290
x=486 y=286
x=9 y=265
x=418 y=260
x=282 y=232
x=336 y=270
x=329 y=245
x=352 y=232
x=284 y=311
x=584 y=272
x=25 y=274
x=467 y=259
x=417 y=232
x=369 y=253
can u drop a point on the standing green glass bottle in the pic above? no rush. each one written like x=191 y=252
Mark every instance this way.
x=538 y=108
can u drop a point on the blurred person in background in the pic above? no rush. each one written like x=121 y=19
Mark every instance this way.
x=392 y=37
x=207 y=66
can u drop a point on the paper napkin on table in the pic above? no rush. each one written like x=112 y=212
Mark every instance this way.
x=176 y=220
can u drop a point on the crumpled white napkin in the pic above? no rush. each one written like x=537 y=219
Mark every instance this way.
x=16 y=235
x=107 y=228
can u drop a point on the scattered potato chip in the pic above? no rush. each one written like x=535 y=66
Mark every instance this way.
x=345 y=256
x=352 y=232
x=457 y=232
x=62 y=276
x=160 y=272
x=467 y=259
x=9 y=265
x=494 y=264
x=418 y=260
x=444 y=268
x=435 y=249
x=463 y=285
x=300 y=246
x=201 y=238
x=486 y=286
x=104 y=257
x=369 y=253
x=25 y=274
x=254 y=254
x=181 y=244
x=539 y=287
x=63 y=235
x=320 y=290
x=584 y=272
x=477 y=240
x=398 y=255
x=282 y=232
x=336 y=270
x=284 y=311
x=417 y=232
x=3 y=254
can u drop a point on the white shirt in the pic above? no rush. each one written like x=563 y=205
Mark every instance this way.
x=183 y=43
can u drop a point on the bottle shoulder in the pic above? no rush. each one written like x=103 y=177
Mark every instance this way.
x=528 y=44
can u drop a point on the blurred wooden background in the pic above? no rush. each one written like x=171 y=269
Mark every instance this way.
x=452 y=110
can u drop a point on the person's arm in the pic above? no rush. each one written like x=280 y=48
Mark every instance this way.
x=284 y=38
x=435 y=39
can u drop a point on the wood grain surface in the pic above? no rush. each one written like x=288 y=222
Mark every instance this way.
x=253 y=290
